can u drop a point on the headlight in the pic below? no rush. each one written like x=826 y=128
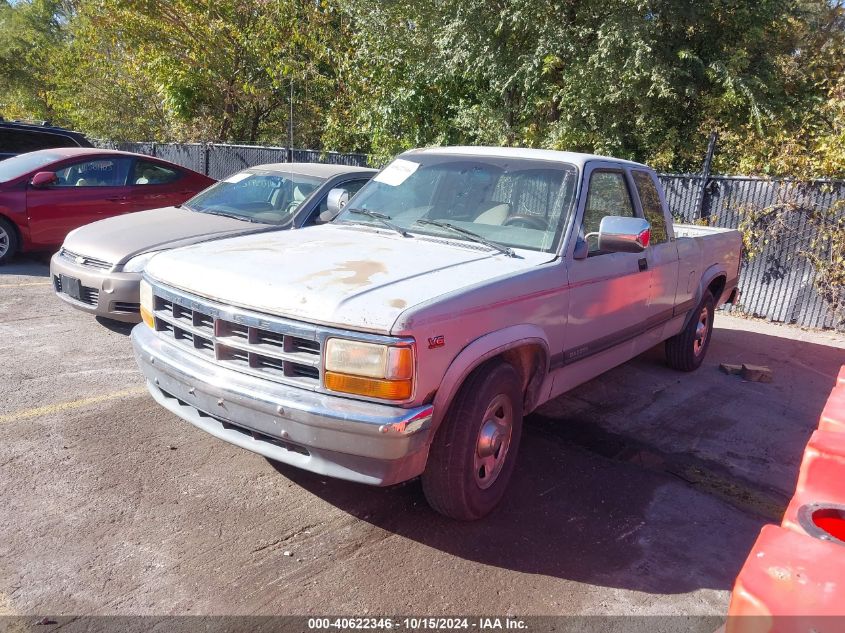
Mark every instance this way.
x=369 y=369
x=147 y=303
x=137 y=263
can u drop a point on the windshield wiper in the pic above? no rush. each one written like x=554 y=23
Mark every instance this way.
x=475 y=237
x=226 y=214
x=383 y=218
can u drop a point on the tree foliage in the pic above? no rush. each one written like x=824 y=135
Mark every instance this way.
x=640 y=79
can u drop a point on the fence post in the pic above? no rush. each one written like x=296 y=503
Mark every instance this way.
x=155 y=145
x=705 y=174
x=205 y=157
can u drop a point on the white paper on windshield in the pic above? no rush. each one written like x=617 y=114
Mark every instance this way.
x=397 y=172
x=238 y=177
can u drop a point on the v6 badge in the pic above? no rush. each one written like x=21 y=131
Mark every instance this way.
x=436 y=341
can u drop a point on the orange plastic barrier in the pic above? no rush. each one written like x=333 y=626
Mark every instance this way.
x=794 y=578
x=818 y=507
x=833 y=415
x=791 y=575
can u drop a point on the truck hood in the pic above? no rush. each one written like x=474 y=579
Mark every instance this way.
x=336 y=275
x=120 y=238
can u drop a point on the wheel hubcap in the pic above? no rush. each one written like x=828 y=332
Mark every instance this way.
x=494 y=438
x=4 y=241
x=701 y=331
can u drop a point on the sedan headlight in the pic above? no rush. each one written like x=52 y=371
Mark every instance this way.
x=147 y=303
x=137 y=263
x=369 y=369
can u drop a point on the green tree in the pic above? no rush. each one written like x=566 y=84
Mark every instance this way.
x=642 y=79
x=31 y=31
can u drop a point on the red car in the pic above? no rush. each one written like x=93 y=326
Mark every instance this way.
x=46 y=194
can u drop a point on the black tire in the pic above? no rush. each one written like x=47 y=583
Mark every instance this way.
x=453 y=482
x=8 y=241
x=686 y=351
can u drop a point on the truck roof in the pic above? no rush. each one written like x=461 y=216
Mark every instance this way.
x=575 y=158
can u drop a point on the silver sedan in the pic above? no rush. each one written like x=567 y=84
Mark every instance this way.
x=99 y=266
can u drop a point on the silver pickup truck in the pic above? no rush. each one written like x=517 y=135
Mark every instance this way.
x=457 y=291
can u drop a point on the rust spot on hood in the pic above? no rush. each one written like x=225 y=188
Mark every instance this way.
x=398 y=303
x=357 y=272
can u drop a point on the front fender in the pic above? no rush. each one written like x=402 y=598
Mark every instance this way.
x=481 y=350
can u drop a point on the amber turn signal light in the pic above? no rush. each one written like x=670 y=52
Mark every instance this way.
x=147 y=317
x=372 y=387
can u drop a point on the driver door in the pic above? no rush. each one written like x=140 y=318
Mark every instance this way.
x=609 y=292
x=86 y=191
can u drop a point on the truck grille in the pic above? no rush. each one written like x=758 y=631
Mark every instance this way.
x=84 y=260
x=252 y=343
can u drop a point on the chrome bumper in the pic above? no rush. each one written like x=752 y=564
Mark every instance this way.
x=339 y=437
x=115 y=294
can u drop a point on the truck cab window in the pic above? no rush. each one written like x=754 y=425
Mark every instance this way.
x=650 y=201
x=608 y=195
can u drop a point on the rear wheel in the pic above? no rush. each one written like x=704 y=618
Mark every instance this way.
x=686 y=351
x=474 y=452
x=8 y=241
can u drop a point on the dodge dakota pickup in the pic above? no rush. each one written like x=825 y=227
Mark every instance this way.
x=457 y=291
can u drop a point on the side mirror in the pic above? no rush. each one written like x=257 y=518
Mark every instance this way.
x=335 y=202
x=43 y=179
x=623 y=235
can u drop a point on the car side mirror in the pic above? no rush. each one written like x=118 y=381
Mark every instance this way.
x=623 y=235
x=43 y=179
x=335 y=201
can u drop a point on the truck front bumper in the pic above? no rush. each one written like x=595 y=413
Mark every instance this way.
x=104 y=293
x=339 y=437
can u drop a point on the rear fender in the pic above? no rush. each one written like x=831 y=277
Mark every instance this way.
x=716 y=270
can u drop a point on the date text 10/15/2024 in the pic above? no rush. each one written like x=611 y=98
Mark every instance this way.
x=417 y=624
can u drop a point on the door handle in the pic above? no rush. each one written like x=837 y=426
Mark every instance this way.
x=118 y=199
x=642 y=262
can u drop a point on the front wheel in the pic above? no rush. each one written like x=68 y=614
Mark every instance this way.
x=686 y=351
x=474 y=452
x=8 y=241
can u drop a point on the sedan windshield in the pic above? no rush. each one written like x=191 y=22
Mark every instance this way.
x=502 y=201
x=17 y=166
x=268 y=197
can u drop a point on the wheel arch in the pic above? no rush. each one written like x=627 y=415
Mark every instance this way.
x=523 y=346
x=714 y=278
x=15 y=228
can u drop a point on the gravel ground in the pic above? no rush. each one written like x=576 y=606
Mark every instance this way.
x=111 y=505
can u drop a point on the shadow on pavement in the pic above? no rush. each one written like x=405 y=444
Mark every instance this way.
x=753 y=432
x=27 y=265
x=118 y=327
x=571 y=515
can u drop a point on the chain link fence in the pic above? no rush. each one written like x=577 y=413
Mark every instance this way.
x=780 y=282
x=219 y=160
x=792 y=225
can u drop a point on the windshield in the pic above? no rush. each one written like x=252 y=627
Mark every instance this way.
x=510 y=201
x=269 y=197
x=17 y=166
